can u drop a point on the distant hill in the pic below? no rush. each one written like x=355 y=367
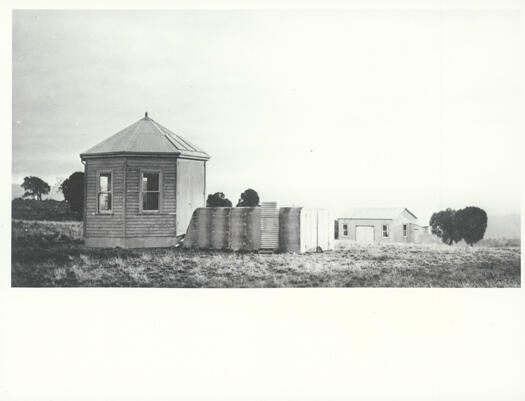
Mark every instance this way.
x=17 y=191
x=504 y=226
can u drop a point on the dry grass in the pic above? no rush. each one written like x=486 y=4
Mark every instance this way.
x=44 y=256
x=45 y=230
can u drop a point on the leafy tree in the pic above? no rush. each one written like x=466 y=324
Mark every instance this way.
x=444 y=226
x=73 y=190
x=249 y=198
x=218 y=199
x=471 y=223
x=35 y=187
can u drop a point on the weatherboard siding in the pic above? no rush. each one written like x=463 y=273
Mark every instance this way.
x=151 y=224
x=126 y=177
x=395 y=228
x=376 y=223
x=403 y=218
x=104 y=225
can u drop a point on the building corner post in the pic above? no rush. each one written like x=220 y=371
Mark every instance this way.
x=84 y=200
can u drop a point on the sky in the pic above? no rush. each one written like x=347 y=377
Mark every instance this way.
x=327 y=109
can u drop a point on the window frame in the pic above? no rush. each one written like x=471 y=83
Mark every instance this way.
x=345 y=229
x=387 y=230
x=405 y=230
x=142 y=192
x=99 y=191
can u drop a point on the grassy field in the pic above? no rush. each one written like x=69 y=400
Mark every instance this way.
x=46 y=254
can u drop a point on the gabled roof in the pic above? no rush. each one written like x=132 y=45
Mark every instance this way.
x=144 y=137
x=375 y=213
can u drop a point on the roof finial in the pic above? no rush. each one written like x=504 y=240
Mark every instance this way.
x=146 y=114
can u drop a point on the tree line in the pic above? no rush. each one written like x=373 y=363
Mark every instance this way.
x=72 y=188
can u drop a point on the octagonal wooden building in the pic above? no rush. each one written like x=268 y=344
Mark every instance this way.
x=141 y=187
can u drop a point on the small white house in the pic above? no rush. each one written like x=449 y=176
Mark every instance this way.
x=379 y=225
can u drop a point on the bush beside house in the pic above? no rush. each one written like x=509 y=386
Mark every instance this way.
x=48 y=209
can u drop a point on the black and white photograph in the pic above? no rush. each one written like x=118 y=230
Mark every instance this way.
x=262 y=200
x=248 y=149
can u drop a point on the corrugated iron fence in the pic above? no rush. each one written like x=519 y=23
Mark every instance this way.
x=265 y=228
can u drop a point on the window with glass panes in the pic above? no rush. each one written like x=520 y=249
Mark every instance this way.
x=104 y=196
x=150 y=191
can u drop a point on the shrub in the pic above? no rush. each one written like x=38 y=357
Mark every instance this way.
x=471 y=223
x=218 y=199
x=443 y=225
x=249 y=198
x=73 y=190
x=48 y=209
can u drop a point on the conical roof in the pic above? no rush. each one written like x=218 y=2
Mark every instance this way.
x=146 y=136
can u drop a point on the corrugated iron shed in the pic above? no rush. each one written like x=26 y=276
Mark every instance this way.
x=147 y=136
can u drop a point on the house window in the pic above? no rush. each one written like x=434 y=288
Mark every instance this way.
x=150 y=191
x=345 y=230
x=104 y=197
x=385 y=230
x=405 y=230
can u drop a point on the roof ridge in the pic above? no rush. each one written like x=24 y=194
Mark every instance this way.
x=185 y=142
x=155 y=124
x=188 y=143
x=135 y=134
x=164 y=135
x=375 y=212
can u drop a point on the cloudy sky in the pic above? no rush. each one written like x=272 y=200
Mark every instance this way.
x=327 y=109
